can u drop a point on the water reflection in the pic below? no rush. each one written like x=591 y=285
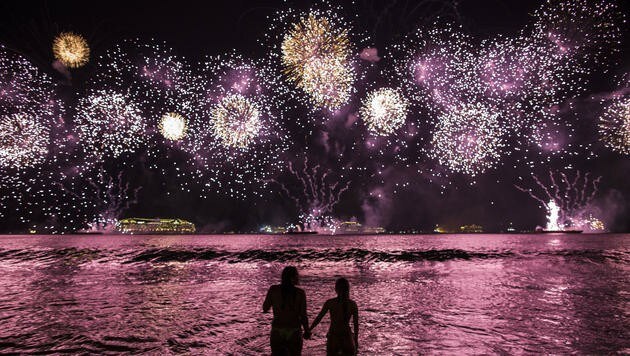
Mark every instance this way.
x=463 y=294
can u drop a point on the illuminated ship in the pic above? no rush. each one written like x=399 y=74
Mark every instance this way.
x=142 y=226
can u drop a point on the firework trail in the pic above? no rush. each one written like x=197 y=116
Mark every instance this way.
x=101 y=198
x=567 y=201
x=317 y=193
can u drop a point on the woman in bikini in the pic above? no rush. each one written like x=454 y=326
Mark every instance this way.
x=340 y=339
x=289 y=314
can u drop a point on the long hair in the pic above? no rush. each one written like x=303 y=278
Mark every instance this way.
x=342 y=286
x=287 y=285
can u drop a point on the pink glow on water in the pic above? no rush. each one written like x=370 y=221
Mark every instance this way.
x=446 y=294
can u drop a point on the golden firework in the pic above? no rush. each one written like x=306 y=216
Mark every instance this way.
x=71 y=49
x=310 y=38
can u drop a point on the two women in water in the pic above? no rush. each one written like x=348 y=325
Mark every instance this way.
x=289 y=317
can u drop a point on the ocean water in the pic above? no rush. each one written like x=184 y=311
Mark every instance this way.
x=429 y=294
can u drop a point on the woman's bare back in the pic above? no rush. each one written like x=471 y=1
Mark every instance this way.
x=341 y=312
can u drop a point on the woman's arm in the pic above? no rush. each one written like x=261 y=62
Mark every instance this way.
x=304 y=318
x=321 y=315
x=267 y=302
x=355 y=318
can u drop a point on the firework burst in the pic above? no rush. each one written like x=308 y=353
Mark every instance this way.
x=23 y=141
x=328 y=81
x=31 y=116
x=173 y=126
x=71 y=49
x=110 y=123
x=162 y=91
x=614 y=126
x=316 y=52
x=236 y=121
x=238 y=140
x=311 y=38
x=384 y=111
x=468 y=140
x=525 y=78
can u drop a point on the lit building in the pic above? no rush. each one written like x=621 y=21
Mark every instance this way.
x=154 y=226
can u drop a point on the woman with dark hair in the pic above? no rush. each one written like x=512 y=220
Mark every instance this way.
x=340 y=339
x=289 y=313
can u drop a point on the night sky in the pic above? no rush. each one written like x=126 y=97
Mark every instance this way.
x=197 y=29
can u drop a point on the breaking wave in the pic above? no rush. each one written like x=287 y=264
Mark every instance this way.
x=165 y=255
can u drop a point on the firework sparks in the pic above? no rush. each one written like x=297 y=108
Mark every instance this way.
x=384 y=111
x=614 y=126
x=104 y=197
x=328 y=81
x=567 y=201
x=110 y=123
x=313 y=37
x=237 y=141
x=468 y=140
x=236 y=121
x=28 y=112
x=316 y=55
x=319 y=194
x=23 y=141
x=71 y=49
x=525 y=78
x=173 y=126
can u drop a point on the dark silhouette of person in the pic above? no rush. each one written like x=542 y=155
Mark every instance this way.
x=340 y=339
x=289 y=314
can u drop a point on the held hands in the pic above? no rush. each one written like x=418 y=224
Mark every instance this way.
x=307 y=335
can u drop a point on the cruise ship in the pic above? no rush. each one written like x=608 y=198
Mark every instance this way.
x=142 y=226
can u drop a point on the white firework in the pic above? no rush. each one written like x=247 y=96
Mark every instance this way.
x=173 y=126
x=23 y=141
x=468 y=140
x=110 y=123
x=384 y=111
